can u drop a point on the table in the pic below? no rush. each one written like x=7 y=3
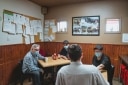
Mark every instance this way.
x=61 y=61
x=123 y=71
x=124 y=59
x=104 y=74
x=52 y=62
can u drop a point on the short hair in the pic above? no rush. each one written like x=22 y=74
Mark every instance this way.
x=35 y=46
x=74 y=52
x=66 y=42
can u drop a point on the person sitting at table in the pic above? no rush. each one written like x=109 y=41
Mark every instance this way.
x=77 y=73
x=63 y=53
x=30 y=64
x=102 y=61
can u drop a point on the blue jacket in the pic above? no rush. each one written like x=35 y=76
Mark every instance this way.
x=30 y=63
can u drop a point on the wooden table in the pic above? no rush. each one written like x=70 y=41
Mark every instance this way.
x=123 y=60
x=104 y=74
x=61 y=61
x=52 y=62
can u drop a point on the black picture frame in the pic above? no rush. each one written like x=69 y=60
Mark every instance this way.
x=86 y=26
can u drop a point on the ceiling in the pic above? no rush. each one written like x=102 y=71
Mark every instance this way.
x=53 y=3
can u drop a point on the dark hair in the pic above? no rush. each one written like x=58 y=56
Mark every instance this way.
x=66 y=42
x=74 y=52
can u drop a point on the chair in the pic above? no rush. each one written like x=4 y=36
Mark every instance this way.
x=113 y=69
x=112 y=74
x=22 y=75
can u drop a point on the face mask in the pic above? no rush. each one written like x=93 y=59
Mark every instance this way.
x=98 y=54
x=66 y=47
x=35 y=53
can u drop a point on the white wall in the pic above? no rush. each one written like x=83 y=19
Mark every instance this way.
x=19 y=6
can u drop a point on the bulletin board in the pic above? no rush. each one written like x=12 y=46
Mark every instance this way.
x=50 y=30
x=30 y=27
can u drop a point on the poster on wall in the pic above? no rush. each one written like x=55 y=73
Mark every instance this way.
x=86 y=26
x=125 y=37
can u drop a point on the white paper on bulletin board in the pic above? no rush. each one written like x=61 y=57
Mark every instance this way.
x=125 y=37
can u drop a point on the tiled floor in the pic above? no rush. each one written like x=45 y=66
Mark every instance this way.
x=115 y=82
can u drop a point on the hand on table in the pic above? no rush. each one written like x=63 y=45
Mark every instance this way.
x=100 y=67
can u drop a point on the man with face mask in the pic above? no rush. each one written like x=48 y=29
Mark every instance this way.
x=102 y=61
x=30 y=64
x=64 y=53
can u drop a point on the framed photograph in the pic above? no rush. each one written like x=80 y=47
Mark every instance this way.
x=86 y=26
x=113 y=25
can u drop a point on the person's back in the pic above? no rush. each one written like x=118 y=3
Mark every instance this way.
x=79 y=74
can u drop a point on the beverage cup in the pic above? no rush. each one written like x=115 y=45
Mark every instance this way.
x=46 y=59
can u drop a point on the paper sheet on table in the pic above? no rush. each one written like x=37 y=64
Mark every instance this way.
x=27 y=30
x=19 y=28
x=125 y=37
x=32 y=39
x=27 y=39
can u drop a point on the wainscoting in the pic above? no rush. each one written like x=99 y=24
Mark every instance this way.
x=10 y=55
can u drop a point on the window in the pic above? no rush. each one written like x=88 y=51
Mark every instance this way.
x=62 y=26
x=113 y=25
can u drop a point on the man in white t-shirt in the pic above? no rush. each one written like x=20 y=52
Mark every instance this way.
x=77 y=73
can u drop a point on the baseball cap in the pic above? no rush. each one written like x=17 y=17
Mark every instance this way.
x=98 y=47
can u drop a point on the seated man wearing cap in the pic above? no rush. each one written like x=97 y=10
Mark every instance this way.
x=102 y=61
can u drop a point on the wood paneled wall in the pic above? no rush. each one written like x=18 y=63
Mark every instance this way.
x=10 y=55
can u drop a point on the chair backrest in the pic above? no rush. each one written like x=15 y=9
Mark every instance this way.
x=20 y=66
x=113 y=69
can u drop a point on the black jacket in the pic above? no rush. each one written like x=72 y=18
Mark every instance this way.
x=63 y=52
